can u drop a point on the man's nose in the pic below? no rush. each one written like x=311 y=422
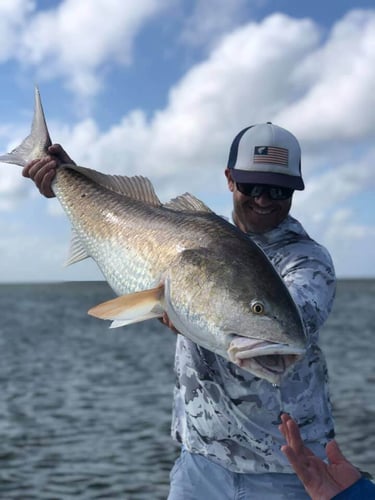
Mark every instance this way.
x=263 y=200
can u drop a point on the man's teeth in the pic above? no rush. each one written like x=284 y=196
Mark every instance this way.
x=262 y=211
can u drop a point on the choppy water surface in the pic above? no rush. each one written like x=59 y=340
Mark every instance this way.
x=348 y=339
x=85 y=411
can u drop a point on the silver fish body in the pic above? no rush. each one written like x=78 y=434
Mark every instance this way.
x=215 y=284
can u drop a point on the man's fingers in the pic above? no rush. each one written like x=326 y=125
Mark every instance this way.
x=290 y=455
x=166 y=321
x=299 y=464
x=334 y=454
x=37 y=168
x=42 y=173
x=43 y=170
x=283 y=427
x=291 y=432
x=45 y=186
x=38 y=174
x=28 y=167
x=295 y=439
x=58 y=151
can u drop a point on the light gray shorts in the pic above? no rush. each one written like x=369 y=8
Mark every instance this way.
x=195 y=477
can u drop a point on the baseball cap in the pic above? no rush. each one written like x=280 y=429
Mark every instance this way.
x=266 y=154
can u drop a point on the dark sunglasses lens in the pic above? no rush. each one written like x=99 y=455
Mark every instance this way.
x=274 y=192
x=279 y=193
x=250 y=189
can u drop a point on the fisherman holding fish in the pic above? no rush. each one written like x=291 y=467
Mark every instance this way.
x=226 y=418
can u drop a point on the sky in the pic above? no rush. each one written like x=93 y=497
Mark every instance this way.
x=160 y=88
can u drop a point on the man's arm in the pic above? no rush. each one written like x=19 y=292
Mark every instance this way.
x=312 y=283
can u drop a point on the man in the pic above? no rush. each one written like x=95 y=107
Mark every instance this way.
x=227 y=419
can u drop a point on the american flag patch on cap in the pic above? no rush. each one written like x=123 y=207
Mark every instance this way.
x=271 y=154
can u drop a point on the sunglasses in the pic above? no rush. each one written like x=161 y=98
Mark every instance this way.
x=273 y=192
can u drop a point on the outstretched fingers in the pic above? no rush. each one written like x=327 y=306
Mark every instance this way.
x=299 y=455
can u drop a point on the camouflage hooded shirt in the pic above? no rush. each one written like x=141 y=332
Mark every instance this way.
x=232 y=416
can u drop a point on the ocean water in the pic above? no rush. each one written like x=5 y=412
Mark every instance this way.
x=85 y=410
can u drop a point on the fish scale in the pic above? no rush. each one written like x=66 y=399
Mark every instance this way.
x=111 y=235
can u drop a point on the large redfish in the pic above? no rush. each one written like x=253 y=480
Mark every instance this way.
x=216 y=285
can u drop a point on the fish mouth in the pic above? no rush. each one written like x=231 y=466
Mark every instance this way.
x=269 y=360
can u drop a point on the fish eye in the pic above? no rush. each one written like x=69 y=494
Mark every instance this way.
x=257 y=307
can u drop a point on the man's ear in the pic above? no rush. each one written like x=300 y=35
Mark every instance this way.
x=230 y=180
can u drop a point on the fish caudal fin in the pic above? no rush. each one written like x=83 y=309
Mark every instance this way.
x=131 y=308
x=36 y=144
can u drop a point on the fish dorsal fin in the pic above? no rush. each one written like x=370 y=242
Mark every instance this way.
x=36 y=143
x=131 y=308
x=137 y=187
x=77 y=252
x=187 y=203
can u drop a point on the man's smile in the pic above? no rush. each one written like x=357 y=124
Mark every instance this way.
x=262 y=211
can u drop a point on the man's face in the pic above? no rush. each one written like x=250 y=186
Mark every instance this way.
x=259 y=214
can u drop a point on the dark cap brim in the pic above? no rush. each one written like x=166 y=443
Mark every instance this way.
x=271 y=178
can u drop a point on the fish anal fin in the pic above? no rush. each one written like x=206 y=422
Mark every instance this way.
x=131 y=308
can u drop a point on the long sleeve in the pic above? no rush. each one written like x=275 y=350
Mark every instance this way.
x=311 y=282
x=363 y=489
x=306 y=268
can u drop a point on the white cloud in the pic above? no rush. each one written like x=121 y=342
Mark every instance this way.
x=330 y=214
x=337 y=185
x=202 y=28
x=12 y=188
x=336 y=83
x=352 y=244
x=13 y=15
x=75 y=40
x=241 y=82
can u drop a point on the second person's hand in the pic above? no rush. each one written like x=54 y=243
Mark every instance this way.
x=322 y=481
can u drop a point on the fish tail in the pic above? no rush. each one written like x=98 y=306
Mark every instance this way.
x=36 y=143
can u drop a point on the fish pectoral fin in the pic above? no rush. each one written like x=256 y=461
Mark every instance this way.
x=131 y=308
x=77 y=252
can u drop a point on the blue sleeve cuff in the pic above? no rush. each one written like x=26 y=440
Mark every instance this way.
x=363 y=489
